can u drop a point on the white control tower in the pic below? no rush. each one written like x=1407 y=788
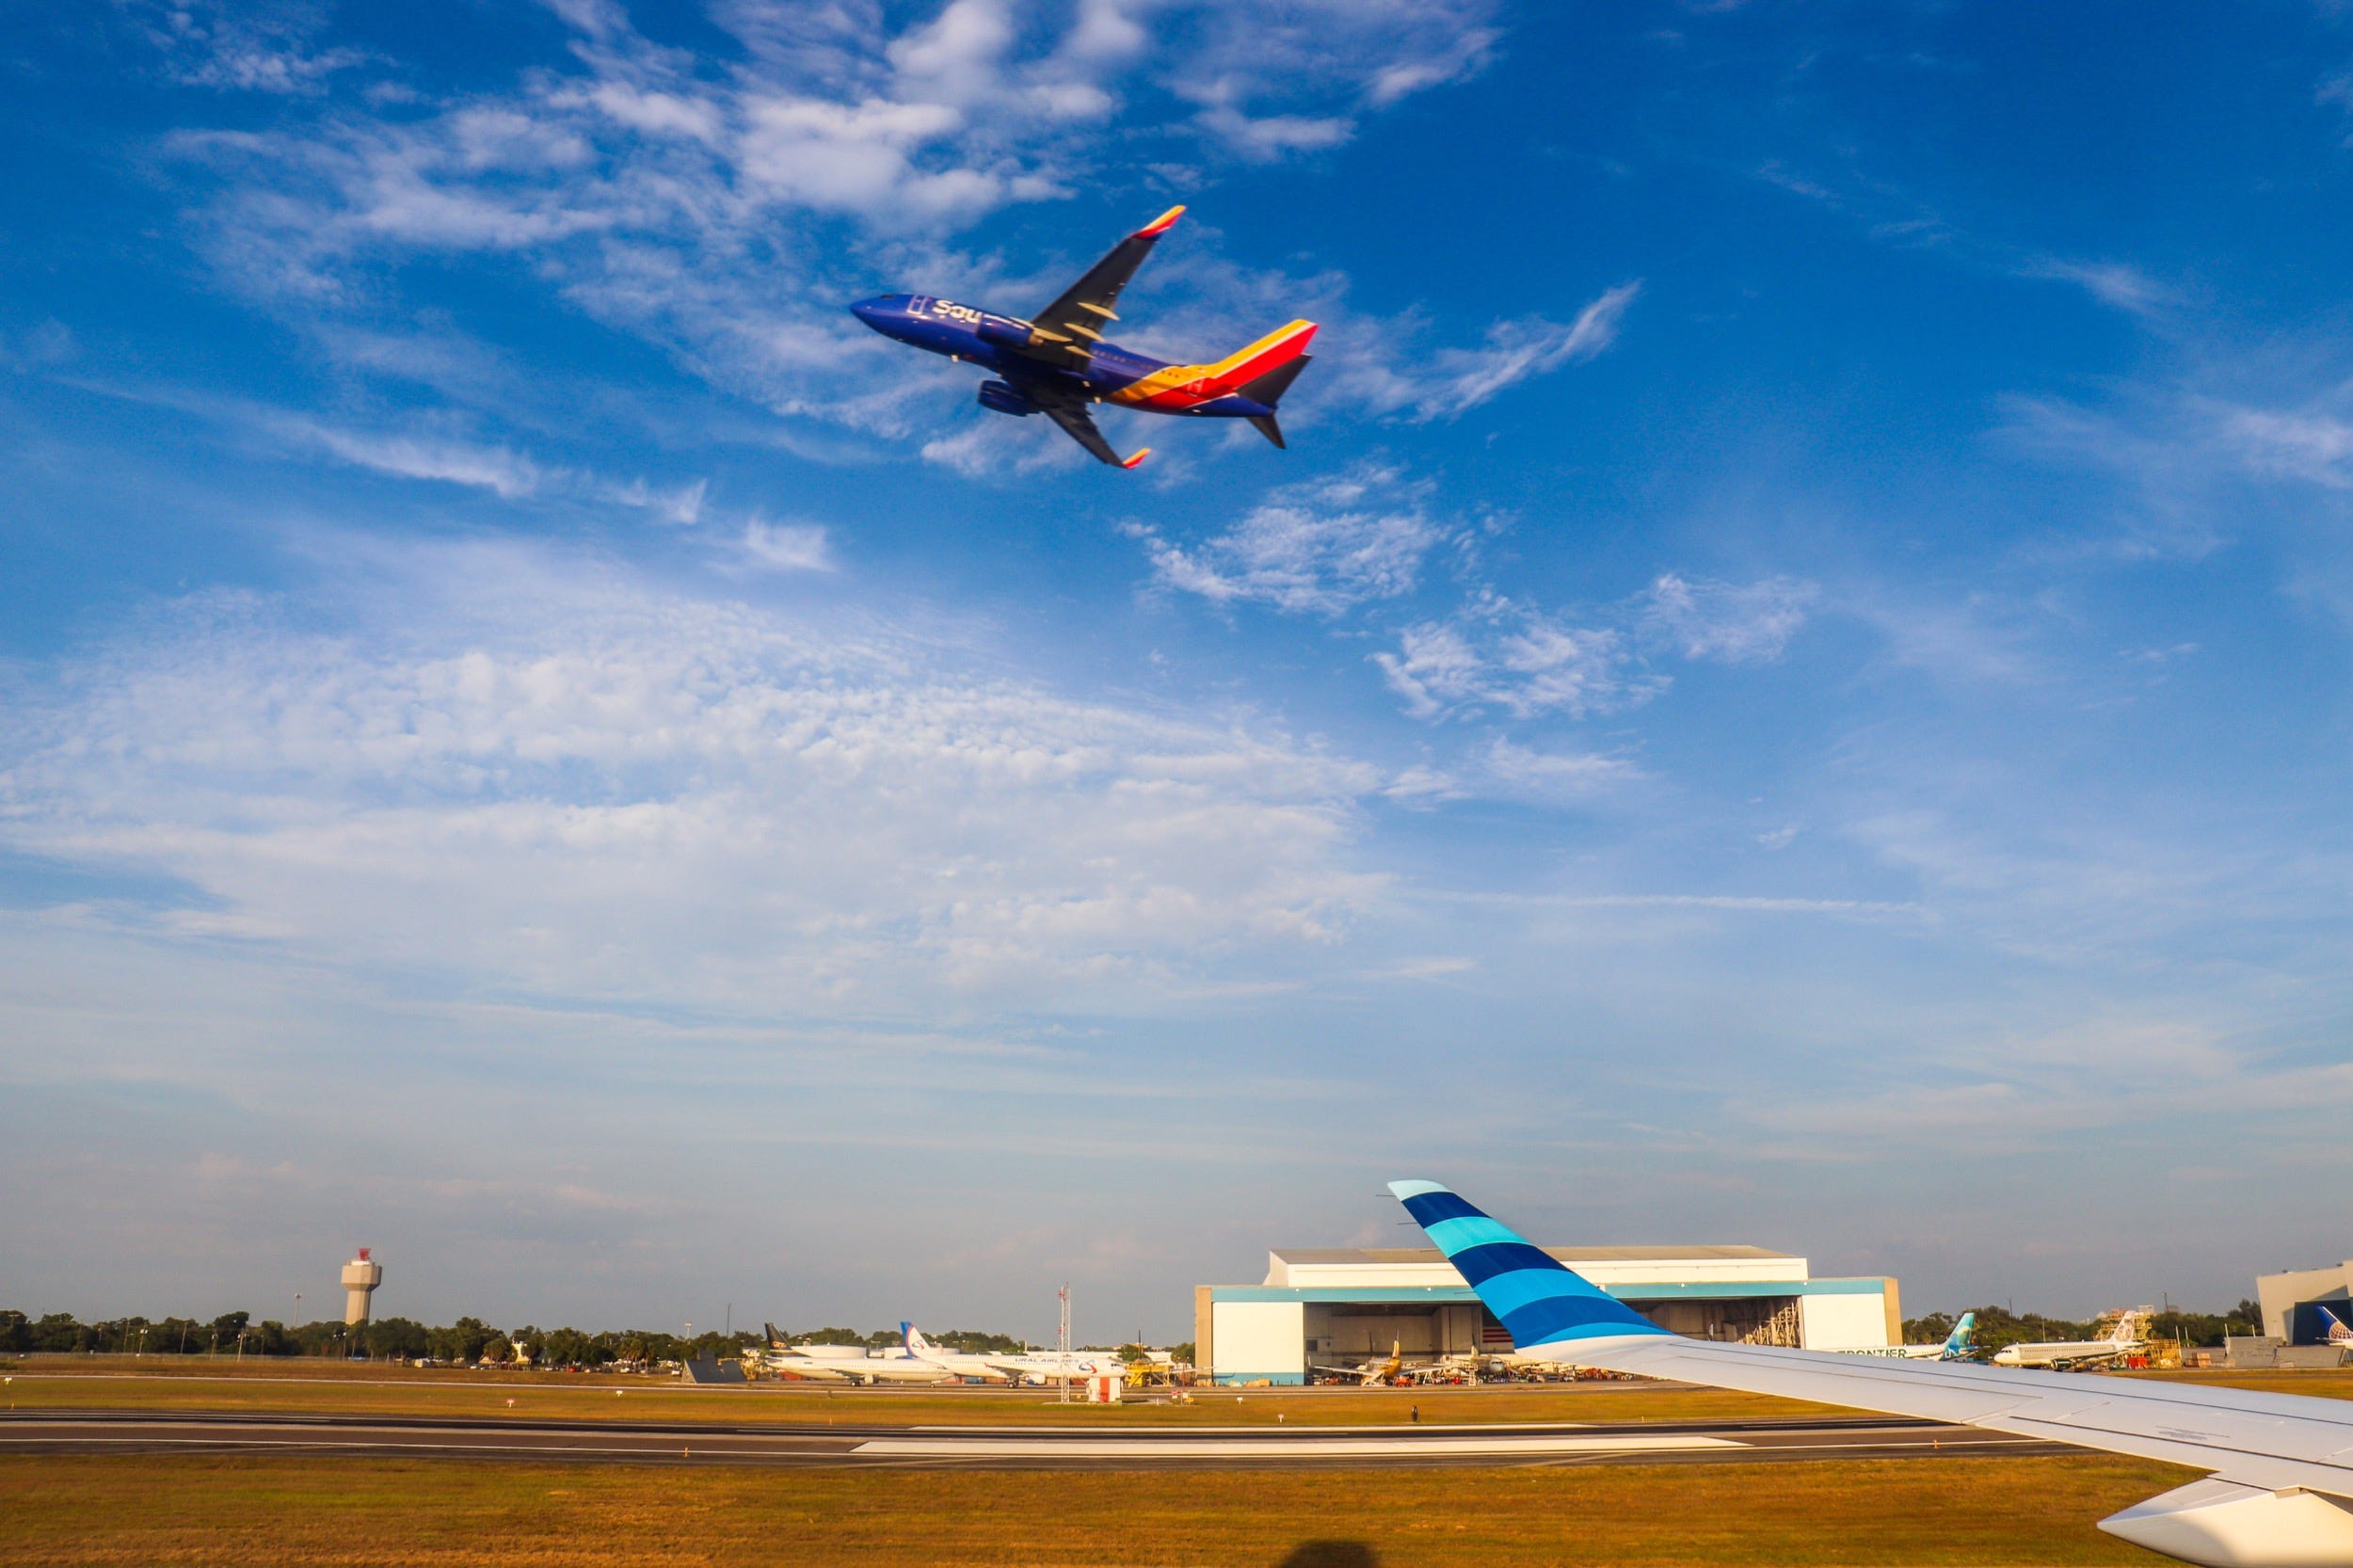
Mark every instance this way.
x=361 y=1279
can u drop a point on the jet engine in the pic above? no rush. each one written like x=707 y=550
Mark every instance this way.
x=1005 y=400
x=1003 y=333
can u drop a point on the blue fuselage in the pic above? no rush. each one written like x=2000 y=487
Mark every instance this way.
x=973 y=336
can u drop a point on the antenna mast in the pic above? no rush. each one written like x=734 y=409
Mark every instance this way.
x=1062 y=1346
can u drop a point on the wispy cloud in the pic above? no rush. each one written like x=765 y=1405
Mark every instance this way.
x=1732 y=623
x=1323 y=546
x=1519 y=661
x=2117 y=283
x=1464 y=379
x=786 y=547
x=638 y=180
x=536 y=778
x=507 y=475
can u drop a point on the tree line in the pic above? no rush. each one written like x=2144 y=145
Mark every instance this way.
x=469 y=1341
x=1998 y=1327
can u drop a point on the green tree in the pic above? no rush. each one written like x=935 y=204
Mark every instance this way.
x=399 y=1339
x=461 y=1342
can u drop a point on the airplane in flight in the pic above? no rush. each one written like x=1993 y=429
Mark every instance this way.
x=1058 y=363
x=2280 y=1488
x=2059 y=1355
x=1957 y=1346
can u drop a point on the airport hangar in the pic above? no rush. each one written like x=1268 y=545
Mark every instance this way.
x=1325 y=1307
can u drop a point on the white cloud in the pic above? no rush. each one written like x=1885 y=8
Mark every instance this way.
x=725 y=216
x=1321 y=546
x=2116 y=283
x=247 y=46
x=1517 y=350
x=1552 y=776
x=510 y=475
x=786 y=547
x=530 y=776
x=1520 y=662
x=1735 y=623
x=2307 y=444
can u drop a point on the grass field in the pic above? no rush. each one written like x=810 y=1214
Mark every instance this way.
x=353 y=1513
x=339 y=1388
x=114 y=1383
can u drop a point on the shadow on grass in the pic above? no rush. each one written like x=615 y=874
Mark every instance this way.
x=1332 y=1553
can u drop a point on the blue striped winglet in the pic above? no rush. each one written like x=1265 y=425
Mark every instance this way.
x=1536 y=1300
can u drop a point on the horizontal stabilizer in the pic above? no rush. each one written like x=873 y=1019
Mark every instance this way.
x=1271 y=431
x=1269 y=389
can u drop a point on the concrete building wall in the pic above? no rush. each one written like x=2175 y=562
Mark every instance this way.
x=2279 y=1293
x=1844 y=1322
x=1259 y=1339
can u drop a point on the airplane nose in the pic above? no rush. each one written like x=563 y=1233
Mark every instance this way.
x=871 y=311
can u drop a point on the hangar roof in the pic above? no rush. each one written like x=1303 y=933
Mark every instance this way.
x=1606 y=1267
x=1566 y=1255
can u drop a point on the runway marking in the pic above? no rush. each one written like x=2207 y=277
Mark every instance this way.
x=1269 y=1447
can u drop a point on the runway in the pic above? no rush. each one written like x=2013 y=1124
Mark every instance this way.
x=1097 y=1448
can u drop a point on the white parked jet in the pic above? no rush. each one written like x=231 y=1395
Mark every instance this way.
x=2279 y=1491
x=847 y=1363
x=962 y=1364
x=2059 y=1355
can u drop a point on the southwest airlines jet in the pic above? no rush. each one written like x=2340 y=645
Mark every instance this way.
x=2280 y=1492
x=1059 y=364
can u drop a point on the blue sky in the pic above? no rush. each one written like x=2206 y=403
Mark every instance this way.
x=1791 y=686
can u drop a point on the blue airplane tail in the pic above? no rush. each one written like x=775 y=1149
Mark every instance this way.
x=1957 y=1344
x=2338 y=1333
x=1536 y=1298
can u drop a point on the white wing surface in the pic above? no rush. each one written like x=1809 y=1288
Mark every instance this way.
x=2280 y=1494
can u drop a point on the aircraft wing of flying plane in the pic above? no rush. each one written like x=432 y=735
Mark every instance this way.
x=1059 y=363
x=2280 y=1494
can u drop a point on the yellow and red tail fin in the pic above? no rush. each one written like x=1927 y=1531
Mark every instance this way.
x=1276 y=349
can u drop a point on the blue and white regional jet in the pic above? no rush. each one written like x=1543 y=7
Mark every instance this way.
x=1957 y=1346
x=2280 y=1488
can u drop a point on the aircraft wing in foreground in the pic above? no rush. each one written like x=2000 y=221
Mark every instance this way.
x=2281 y=1490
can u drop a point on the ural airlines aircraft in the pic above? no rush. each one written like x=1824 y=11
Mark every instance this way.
x=2281 y=1490
x=2059 y=1355
x=962 y=1363
x=1059 y=364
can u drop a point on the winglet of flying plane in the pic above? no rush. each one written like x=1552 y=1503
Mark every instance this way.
x=1162 y=224
x=2280 y=1495
x=1141 y=453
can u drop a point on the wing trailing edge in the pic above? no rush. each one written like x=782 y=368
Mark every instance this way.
x=2280 y=1494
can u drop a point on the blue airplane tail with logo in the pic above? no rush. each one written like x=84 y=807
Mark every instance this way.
x=1537 y=1299
x=1957 y=1344
x=2338 y=1333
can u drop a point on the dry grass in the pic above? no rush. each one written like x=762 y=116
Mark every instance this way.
x=328 y=1388
x=2334 y=1383
x=354 y=1513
